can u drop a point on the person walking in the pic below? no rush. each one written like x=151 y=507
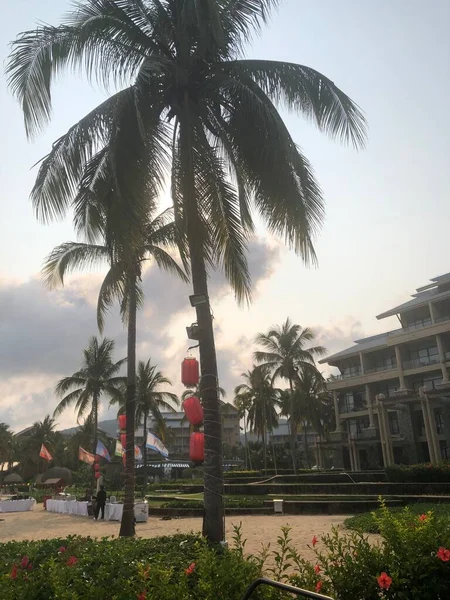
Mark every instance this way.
x=100 y=504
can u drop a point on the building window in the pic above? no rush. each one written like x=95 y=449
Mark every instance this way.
x=439 y=422
x=394 y=426
x=429 y=382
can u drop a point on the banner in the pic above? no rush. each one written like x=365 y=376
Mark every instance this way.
x=44 y=453
x=119 y=450
x=137 y=453
x=102 y=451
x=155 y=443
x=85 y=456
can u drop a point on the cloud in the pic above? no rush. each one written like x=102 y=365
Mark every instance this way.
x=43 y=333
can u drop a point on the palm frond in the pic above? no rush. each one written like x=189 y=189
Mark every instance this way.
x=69 y=257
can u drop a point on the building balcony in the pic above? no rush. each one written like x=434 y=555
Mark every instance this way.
x=442 y=319
x=365 y=434
x=352 y=408
x=380 y=369
x=342 y=376
x=420 y=362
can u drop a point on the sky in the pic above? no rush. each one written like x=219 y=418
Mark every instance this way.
x=387 y=208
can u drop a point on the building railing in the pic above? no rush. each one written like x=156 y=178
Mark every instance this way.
x=380 y=368
x=416 y=363
x=341 y=376
x=351 y=408
x=442 y=319
x=365 y=434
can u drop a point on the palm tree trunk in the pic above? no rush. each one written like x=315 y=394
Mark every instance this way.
x=246 y=444
x=293 y=429
x=264 y=432
x=127 y=524
x=144 y=453
x=95 y=436
x=305 y=437
x=213 y=521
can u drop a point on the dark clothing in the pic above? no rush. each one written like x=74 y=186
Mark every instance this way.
x=101 y=501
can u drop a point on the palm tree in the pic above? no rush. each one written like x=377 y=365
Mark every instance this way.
x=97 y=376
x=83 y=437
x=242 y=403
x=285 y=354
x=126 y=246
x=6 y=444
x=257 y=392
x=41 y=432
x=150 y=399
x=193 y=99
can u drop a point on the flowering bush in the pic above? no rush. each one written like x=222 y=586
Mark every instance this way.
x=179 y=567
x=410 y=562
x=420 y=473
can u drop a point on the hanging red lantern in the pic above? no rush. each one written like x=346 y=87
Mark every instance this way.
x=190 y=372
x=122 y=422
x=197 y=446
x=96 y=467
x=123 y=440
x=97 y=475
x=193 y=410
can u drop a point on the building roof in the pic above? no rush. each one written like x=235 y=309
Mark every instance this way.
x=369 y=343
x=422 y=296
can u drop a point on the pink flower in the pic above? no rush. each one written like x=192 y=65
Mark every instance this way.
x=13 y=573
x=71 y=561
x=142 y=595
x=443 y=554
x=319 y=585
x=384 y=581
x=317 y=569
x=423 y=517
x=61 y=549
x=314 y=541
x=24 y=562
x=190 y=569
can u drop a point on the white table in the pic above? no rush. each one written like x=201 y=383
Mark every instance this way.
x=68 y=507
x=113 y=512
x=7 y=506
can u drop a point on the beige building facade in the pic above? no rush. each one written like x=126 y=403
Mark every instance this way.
x=392 y=392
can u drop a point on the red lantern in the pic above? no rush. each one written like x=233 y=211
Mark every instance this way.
x=189 y=372
x=96 y=467
x=193 y=410
x=123 y=440
x=197 y=446
x=124 y=460
x=122 y=422
x=97 y=458
x=97 y=475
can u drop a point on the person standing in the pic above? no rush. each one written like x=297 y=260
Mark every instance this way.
x=101 y=501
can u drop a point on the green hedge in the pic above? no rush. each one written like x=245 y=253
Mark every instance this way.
x=421 y=473
x=182 y=567
x=229 y=503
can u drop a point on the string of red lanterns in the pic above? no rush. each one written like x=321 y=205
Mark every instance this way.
x=193 y=409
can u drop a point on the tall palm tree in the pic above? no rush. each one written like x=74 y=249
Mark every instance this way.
x=126 y=246
x=285 y=353
x=150 y=399
x=193 y=99
x=243 y=403
x=85 y=388
x=261 y=397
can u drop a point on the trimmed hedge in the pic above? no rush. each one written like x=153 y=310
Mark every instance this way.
x=228 y=502
x=420 y=473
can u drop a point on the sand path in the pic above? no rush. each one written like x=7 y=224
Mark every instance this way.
x=258 y=530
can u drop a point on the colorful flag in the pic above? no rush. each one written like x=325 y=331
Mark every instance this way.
x=155 y=443
x=86 y=456
x=102 y=451
x=137 y=453
x=44 y=453
x=119 y=450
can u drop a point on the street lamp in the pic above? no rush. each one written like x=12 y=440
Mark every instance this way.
x=198 y=299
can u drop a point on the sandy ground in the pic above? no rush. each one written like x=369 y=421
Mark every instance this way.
x=258 y=530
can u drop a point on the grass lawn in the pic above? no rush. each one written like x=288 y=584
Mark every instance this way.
x=366 y=523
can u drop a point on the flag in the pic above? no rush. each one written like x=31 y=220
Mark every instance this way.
x=119 y=450
x=86 y=456
x=44 y=453
x=102 y=451
x=137 y=453
x=155 y=443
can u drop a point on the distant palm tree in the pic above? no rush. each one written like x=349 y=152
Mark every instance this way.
x=286 y=354
x=150 y=399
x=262 y=400
x=41 y=432
x=6 y=445
x=83 y=437
x=187 y=94
x=97 y=377
x=243 y=403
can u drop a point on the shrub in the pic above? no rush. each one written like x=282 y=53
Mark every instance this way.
x=179 y=567
x=421 y=473
x=229 y=503
x=412 y=562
